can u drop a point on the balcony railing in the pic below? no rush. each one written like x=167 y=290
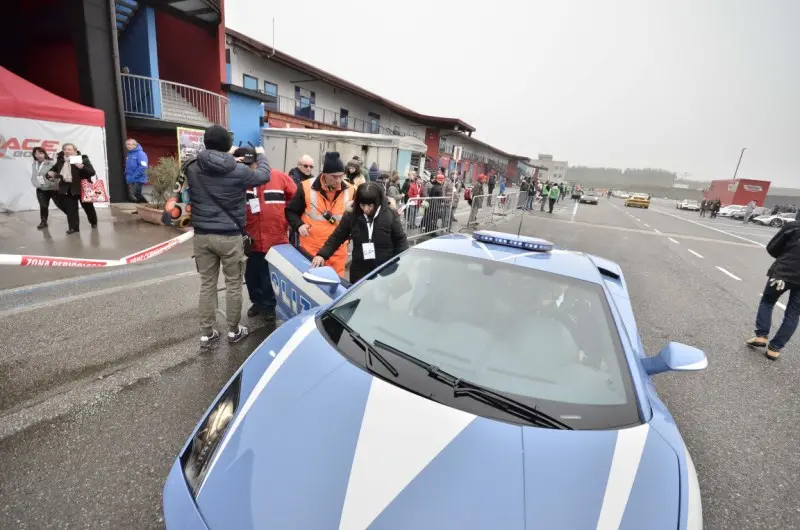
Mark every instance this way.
x=293 y=107
x=146 y=97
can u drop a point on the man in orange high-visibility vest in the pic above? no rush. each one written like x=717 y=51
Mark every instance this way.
x=318 y=206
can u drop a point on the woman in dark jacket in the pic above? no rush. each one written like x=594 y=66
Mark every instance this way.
x=69 y=186
x=375 y=229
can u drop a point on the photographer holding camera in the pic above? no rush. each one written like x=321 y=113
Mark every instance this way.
x=218 y=185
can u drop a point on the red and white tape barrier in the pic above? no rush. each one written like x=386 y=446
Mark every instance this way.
x=50 y=261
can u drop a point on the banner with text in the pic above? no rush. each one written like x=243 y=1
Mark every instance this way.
x=18 y=137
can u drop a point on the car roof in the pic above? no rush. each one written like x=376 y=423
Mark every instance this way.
x=559 y=261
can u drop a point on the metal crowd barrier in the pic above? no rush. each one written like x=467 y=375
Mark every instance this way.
x=427 y=216
x=501 y=208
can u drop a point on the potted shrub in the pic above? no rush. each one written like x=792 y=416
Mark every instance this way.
x=162 y=177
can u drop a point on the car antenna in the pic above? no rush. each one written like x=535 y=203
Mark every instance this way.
x=521 y=218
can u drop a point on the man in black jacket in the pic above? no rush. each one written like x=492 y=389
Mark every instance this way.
x=784 y=275
x=217 y=185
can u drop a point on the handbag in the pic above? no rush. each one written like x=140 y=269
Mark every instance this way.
x=247 y=241
x=93 y=191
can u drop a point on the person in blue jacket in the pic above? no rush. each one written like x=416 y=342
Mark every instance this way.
x=135 y=170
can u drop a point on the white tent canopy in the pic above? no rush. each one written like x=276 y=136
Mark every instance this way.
x=33 y=117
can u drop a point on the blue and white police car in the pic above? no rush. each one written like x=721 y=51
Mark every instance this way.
x=487 y=381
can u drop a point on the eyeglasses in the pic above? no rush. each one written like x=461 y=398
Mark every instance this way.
x=307 y=166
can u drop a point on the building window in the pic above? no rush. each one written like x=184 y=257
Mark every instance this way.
x=343 y=118
x=374 y=123
x=304 y=103
x=271 y=89
x=249 y=82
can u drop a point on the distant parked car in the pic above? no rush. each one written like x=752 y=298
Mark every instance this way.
x=693 y=206
x=729 y=211
x=777 y=220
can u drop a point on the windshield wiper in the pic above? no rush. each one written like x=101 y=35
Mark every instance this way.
x=489 y=397
x=497 y=400
x=363 y=343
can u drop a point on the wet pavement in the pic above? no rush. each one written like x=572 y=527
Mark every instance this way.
x=104 y=379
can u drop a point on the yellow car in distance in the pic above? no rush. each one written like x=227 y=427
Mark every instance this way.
x=638 y=200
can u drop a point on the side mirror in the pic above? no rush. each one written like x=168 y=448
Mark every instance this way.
x=322 y=276
x=676 y=357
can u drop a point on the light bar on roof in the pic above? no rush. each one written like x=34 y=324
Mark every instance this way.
x=510 y=240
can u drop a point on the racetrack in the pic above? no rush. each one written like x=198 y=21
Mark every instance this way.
x=101 y=390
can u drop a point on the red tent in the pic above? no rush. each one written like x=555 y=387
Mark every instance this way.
x=22 y=99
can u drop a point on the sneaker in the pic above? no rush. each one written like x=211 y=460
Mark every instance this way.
x=236 y=336
x=208 y=340
x=757 y=342
x=772 y=354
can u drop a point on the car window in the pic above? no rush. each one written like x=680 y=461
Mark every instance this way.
x=516 y=330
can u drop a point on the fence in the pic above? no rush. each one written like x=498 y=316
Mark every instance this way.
x=427 y=216
x=493 y=209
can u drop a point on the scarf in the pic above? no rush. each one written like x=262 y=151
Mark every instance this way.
x=66 y=170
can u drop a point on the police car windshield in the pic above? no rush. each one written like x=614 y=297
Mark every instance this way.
x=536 y=336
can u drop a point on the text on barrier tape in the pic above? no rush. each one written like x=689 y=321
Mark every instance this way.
x=52 y=261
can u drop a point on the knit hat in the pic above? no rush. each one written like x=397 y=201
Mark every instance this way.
x=355 y=162
x=333 y=164
x=217 y=138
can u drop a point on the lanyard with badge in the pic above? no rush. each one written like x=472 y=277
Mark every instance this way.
x=368 y=248
x=255 y=203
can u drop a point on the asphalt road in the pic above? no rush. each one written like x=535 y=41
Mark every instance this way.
x=102 y=378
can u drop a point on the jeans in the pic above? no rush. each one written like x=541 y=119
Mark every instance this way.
x=259 y=283
x=211 y=251
x=135 y=192
x=529 y=202
x=790 y=315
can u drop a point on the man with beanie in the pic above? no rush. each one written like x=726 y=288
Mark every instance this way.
x=318 y=207
x=374 y=172
x=217 y=186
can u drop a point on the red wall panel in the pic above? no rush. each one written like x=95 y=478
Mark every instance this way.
x=189 y=54
x=53 y=66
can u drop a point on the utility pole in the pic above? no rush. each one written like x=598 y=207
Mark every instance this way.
x=739 y=162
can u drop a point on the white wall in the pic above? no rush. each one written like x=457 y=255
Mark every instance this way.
x=327 y=96
x=470 y=145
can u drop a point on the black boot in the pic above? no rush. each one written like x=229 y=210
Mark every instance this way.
x=42 y=225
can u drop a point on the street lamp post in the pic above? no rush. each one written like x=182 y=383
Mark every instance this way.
x=739 y=162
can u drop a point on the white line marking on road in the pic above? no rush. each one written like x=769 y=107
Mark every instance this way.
x=709 y=227
x=647 y=225
x=695 y=253
x=94 y=294
x=638 y=220
x=732 y=275
x=574 y=211
x=674 y=240
x=656 y=230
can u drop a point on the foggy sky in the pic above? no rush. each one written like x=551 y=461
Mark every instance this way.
x=681 y=85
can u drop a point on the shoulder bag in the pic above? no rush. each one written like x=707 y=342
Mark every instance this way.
x=247 y=241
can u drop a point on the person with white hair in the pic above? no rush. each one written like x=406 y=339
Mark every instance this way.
x=303 y=171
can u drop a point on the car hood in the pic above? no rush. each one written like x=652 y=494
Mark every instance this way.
x=319 y=443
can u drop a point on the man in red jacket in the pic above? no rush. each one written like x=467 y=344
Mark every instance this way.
x=267 y=225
